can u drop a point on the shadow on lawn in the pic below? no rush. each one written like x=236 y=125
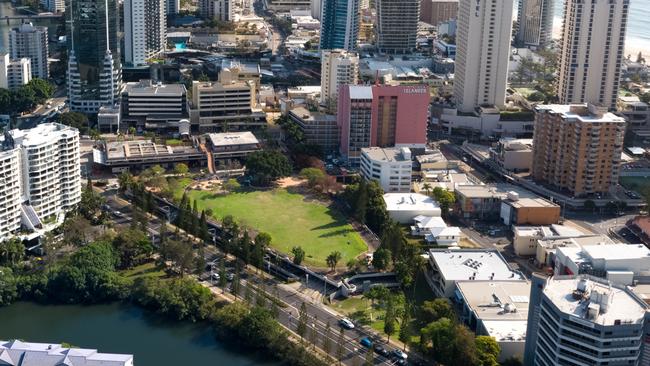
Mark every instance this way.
x=336 y=233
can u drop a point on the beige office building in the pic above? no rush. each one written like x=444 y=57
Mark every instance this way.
x=338 y=67
x=591 y=51
x=577 y=148
x=482 y=53
x=438 y=11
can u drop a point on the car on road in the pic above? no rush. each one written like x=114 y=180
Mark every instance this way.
x=215 y=276
x=399 y=354
x=230 y=276
x=379 y=349
x=366 y=342
x=346 y=323
x=117 y=213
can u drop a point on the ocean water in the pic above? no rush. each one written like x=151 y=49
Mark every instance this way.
x=638 y=32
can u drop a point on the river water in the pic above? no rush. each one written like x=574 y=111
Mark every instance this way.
x=7 y=10
x=118 y=328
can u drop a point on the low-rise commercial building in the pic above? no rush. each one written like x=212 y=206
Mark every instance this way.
x=585 y=320
x=526 y=238
x=635 y=112
x=228 y=147
x=225 y=107
x=446 y=267
x=618 y=263
x=390 y=167
x=547 y=248
x=528 y=211
x=46 y=354
x=121 y=156
x=404 y=207
x=498 y=309
x=317 y=128
x=435 y=231
x=515 y=155
x=154 y=107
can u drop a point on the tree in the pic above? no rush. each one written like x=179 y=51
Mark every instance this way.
x=487 y=350
x=298 y=255
x=639 y=58
x=389 y=320
x=267 y=166
x=445 y=199
x=42 y=90
x=333 y=259
x=301 y=327
x=512 y=361
x=6 y=101
x=313 y=176
x=427 y=188
x=133 y=247
x=179 y=253
x=74 y=119
x=90 y=202
x=393 y=239
x=590 y=205
x=381 y=259
x=361 y=204
x=11 y=252
x=8 y=286
x=124 y=180
x=405 y=326
x=436 y=309
x=261 y=242
x=377 y=293
x=231 y=185
x=181 y=168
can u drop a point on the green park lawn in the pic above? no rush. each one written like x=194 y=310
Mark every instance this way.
x=290 y=219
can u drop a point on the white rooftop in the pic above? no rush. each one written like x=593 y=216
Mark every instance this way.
x=427 y=222
x=360 y=92
x=617 y=251
x=581 y=112
x=479 y=264
x=506 y=331
x=623 y=306
x=43 y=133
x=232 y=138
x=409 y=202
x=51 y=354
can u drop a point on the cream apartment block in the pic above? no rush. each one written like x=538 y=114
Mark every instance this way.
x=577 y=148
x=591 y=51
x=41 y=178
x=482 y=53
x=338 y=67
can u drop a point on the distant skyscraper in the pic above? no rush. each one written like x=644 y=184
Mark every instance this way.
x=591 y=51
x=397 y=25
x=31 y=42
x=483 y=51
x=172 y=7
x=316 y=9
x=338 y=67
x=219 y=9
x=535 y=23
x=55 y=6
x=437 y=11
x=94 y=69
x=339 y=24
x=145 y=30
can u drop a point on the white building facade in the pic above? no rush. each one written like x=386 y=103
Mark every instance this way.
x=43 y=179
x=145 y=30
x=390 y=167
x=14 y=73
x=591 y=51
x=29 y=41
x=482 y=53
x=338 y=67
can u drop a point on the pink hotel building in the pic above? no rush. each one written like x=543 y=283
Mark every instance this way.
x=381 y=116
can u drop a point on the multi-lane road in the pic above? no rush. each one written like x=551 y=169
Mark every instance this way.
x=319 y=314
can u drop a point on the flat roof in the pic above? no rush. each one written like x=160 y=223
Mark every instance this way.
x=306 y=115
x=145 y=88
x=506 y=331
x=481 y=264
x=40 y=134
x=232 y=138
x=499 y=190
x=530 y=202
x=623 y=305
x=548 y=232
x=488 y=299
x=580 y=112
x=617 y=251
x=385 y=154
x=143 y=148
x=360 y=92
x=409 y=202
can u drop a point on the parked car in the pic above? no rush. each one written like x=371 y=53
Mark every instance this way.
x=398 y=353
x=215 y=276
x=379 y=349
x=366 y=342
x=346 y=323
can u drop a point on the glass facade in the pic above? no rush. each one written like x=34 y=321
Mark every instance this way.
x=340 y=24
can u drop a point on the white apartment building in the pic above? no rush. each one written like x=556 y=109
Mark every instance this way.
x=482 y=53
x=145 y=30
x=41 y=165
x=29 y=41
x=14 y=73
x=222 y=10
x=390 y=167
x=220 y=107
x=591 y=51
x=338 y=67
x=535 y=23
x=584 y=320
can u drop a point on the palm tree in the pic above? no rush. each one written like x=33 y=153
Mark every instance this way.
x=427 y=188
x=333 y=259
